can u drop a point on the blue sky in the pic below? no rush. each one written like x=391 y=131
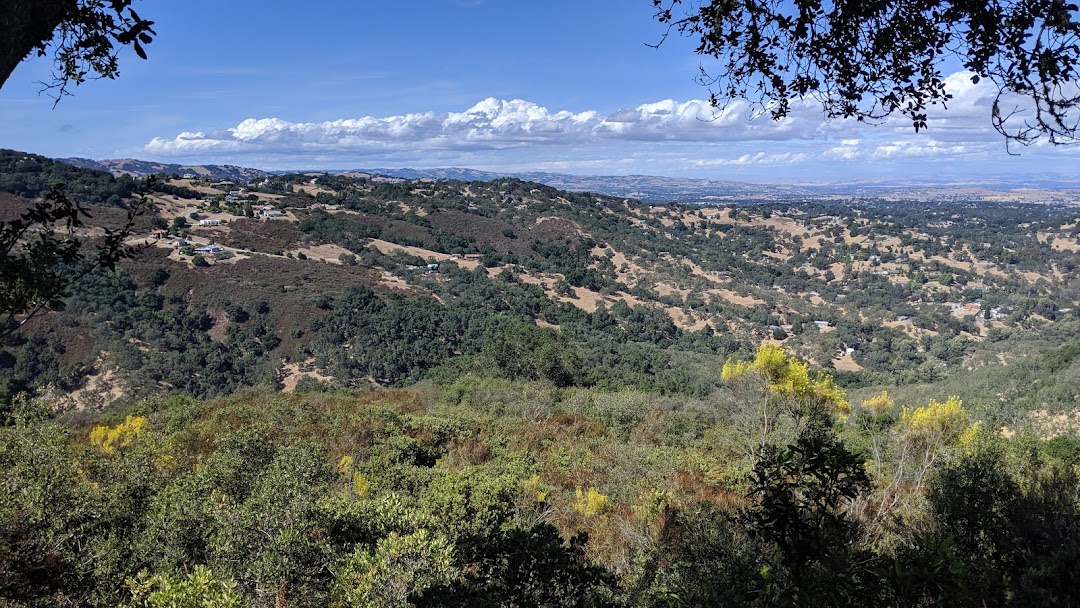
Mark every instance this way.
x=562 y=85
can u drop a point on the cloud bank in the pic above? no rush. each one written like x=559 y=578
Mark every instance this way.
x=491 y=124
x=691 y=135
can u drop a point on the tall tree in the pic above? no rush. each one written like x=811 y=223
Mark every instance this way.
x=868 y=59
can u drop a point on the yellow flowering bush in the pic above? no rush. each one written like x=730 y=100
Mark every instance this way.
x=110 y=439
x=535 y=489
x=356 y=481
x=878 y=404
x=589 y=503
x=788 y=377
x=940 y=423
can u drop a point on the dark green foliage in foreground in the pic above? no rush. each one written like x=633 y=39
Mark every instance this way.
x=1017 y=540
x=405 y=498
x=275 y=514
x=799 y=491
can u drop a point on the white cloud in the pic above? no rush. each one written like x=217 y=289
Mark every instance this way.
x=491 y=124
x=663 y=137
x=910 y=149
x=758 y=158
x=495 y=124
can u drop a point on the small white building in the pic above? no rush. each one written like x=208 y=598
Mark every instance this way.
x=210 y=222
x=210 y=249
x=271 y=213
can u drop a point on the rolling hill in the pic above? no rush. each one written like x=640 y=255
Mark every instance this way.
x=308 y=389
x=630 y=294
x=142 y=168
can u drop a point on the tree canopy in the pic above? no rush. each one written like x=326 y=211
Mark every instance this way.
x=41 y=255
x=84 y=37
x=869 y=59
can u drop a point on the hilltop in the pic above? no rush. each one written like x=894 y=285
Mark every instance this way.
x=142 y=168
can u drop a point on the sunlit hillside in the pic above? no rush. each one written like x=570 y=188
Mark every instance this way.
x=312 y=390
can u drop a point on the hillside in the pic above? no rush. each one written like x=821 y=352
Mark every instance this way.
x=629 y=294
x=344 y=390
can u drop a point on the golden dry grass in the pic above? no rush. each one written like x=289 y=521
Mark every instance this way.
x=846 y=363
x=325 y=253
x=293 y=372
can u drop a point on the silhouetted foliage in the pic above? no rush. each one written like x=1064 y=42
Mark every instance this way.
x=82 y=36
x=867 y=60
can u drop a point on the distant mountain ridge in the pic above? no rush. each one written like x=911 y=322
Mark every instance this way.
x=138 y=168
x=658 y=189
x=649 y=188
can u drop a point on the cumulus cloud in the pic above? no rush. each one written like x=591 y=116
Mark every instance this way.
x=667 y=136
x=496 y=124
x=758 y=158
x=493 y=124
